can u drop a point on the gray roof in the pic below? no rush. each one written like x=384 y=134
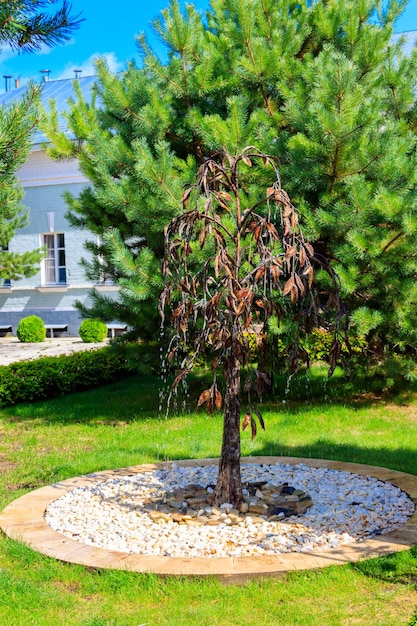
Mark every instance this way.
x=59 y=90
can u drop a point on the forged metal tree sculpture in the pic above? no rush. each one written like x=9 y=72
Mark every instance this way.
x=230 y=261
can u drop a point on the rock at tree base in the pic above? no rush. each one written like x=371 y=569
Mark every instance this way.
x=192 y=505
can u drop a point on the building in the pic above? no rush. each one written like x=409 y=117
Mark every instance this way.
x=60 y=282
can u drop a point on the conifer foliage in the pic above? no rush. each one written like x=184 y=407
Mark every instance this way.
x=322 y=86
x=25 y=27
x=17 y=122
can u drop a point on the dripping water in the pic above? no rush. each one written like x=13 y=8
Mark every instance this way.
x=287 y=388
x=176 y=399
x=163 y=376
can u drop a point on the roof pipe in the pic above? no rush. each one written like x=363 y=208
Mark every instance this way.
x=7 y=80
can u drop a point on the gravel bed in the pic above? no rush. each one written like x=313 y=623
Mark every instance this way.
x=346 y=508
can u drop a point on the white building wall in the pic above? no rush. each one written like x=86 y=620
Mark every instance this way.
x=40 y=171
x=45 y=182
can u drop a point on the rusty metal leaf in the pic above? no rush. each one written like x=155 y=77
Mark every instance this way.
x=310 y=273
x=253 y=427
x=204 y=397
x=248 y=321
x=203 y=238
x=290 y=252
x=289 y=285
x=272 y=230
x=218 y=400
x=309 y=248
x=177 y=312
x=246 y=420
x=294 y=220
x=260 y=273
x=300 y=284
x=260 y=418
x=257 y=232
x=287 y=226
x=186 y=196
x=178 y=378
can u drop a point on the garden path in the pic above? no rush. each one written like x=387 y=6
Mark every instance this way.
x=12 y=350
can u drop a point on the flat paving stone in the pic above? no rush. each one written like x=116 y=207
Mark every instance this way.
x=23 y=520
x=12 y=350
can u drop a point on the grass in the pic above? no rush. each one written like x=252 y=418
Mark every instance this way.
x=119 y=425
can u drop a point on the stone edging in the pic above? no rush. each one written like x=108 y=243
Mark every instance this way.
x=23 y=520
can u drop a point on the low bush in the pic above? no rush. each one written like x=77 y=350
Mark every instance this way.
x=31 y=329
x=27 y=381
x=92 y=330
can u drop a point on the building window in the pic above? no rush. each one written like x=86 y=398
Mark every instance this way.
x=55 y=272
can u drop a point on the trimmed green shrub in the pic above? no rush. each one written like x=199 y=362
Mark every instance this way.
x=27 y=381
x=92 y=330
x=31 y=329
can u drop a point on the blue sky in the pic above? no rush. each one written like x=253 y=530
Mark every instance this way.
x=112 y=35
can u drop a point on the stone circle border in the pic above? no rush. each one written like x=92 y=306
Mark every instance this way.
x=23 y=520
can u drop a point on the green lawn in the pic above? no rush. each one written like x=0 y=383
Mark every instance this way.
x=119 y=426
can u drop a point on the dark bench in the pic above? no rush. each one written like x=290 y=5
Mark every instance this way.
x=4 y=330
x=115 y=329
x=55 y=330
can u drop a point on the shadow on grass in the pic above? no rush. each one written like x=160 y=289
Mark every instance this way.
x=404 y=460
x=126 y=400
x=312 y=387
x=400 y=567
x=139 y=397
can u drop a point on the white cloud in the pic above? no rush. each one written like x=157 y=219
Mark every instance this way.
x=87 y=67
x=410 y=40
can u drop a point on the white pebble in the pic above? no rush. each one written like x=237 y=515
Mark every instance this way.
x=346 y=508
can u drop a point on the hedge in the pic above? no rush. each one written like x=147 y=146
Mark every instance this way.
x=48 y=377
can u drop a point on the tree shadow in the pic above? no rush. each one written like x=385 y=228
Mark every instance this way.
x=133 y=398
x=139 y=397
x=400 y=459
x=398 y=568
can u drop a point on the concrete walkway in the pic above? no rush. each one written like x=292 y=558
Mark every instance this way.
x=12 y=350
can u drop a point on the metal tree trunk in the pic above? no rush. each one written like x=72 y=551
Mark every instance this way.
x=229 y=486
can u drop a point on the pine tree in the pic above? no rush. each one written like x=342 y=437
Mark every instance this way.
x=318 y=84
x=23 y=26
x=17 y=122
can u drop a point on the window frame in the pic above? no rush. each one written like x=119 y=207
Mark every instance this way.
x=58 y=254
